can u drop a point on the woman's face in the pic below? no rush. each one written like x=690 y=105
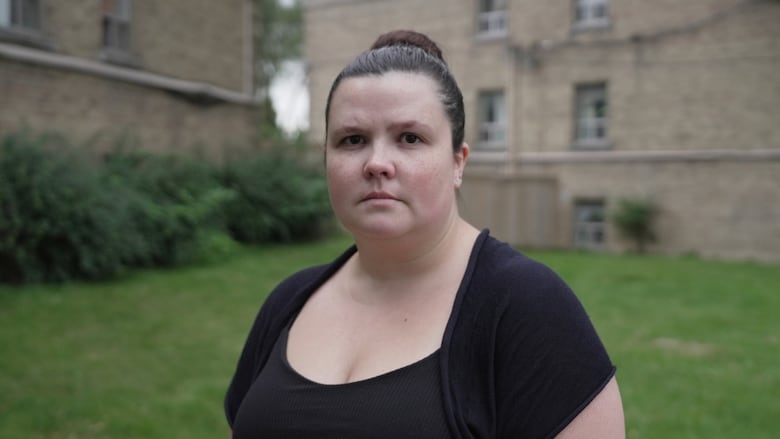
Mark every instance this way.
x=390 y=163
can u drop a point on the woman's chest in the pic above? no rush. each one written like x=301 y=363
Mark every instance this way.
x=405 y=402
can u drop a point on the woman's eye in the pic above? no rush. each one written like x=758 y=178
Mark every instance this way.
x=410 y=138
x=354 y=139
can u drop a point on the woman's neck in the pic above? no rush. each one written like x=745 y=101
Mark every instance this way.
x=410 y=257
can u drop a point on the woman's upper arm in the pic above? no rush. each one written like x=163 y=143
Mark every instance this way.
x=602 y=418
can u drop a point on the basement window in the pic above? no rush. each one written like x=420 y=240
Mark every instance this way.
x=589 y=225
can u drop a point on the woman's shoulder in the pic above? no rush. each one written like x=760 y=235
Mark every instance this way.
x=500 y=266
x=522 y=290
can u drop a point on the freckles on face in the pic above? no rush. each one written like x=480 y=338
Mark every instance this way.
x=389 y=134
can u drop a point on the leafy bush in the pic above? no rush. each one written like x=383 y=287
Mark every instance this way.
x=175 y=201
x=279 y=198
x=66 y=214
x=634 y=219
x=57 y=221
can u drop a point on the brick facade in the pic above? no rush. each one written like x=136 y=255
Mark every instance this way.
x=692 y=103
x=186 y=82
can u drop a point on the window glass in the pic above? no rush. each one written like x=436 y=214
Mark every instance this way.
x=5 y=12
x=591 y=120
x=591 y=13
x=116 y=24
x=492 y=120
x=20 y=13
x=492 y=18
x=589 y=224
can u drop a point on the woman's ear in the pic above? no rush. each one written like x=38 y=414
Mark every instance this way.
x=461 y=157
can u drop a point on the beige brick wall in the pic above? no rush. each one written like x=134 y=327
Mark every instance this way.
x=532 y=20
x=721 y=208
x=82 y=106
x=724 y=208
x=196 y=40
x=702 y=78
x=74 y=28
x=709 y=88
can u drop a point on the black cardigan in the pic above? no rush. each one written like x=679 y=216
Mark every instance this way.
x=519 y=358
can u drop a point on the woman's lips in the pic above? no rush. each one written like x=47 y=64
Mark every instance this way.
x=378 y=196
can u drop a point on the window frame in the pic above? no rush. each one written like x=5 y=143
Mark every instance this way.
x=491 y=101
x=587 y=233
x=587 y=127
x=589 y=19
x=492 y=19
x=15 y=30
x=116 y=32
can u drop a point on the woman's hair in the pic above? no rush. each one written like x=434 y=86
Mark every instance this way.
x=413 y=52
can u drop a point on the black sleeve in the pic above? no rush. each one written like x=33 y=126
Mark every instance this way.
x=550 y=363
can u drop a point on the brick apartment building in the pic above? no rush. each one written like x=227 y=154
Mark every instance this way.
x=574 y=104
x=172 y=74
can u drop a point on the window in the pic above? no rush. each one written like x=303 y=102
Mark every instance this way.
x=21 y=14
x=492 y=19
x=591 y=13
x=591 y=121
x=116 y=25
x=492 y=120
x=589 y=225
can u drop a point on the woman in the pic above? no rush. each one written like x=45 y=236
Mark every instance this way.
x=427 y=327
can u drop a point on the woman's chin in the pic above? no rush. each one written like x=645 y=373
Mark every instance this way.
x=378 y=229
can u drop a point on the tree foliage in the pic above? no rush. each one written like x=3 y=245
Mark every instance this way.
x=278 y=37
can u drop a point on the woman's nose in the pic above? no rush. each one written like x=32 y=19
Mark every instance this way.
x=379 y=163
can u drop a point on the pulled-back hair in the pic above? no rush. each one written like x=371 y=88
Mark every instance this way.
x=412 y=52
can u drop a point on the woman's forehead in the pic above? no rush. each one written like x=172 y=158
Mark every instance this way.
x=393 y=92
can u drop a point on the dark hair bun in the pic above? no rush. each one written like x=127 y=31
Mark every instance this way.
x=408 y=38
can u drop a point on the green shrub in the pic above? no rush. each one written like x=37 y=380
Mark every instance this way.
x=57 y=220
x=279 y=198
x=66 y=214
x=634 y=219
x=175 y=201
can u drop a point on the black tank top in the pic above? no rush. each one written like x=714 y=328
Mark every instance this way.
x=403 y=403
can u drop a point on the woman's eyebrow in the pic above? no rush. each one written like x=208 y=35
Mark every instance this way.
x=412 y=125
x=345 y=129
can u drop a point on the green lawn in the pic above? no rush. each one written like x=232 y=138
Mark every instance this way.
x=697 y=344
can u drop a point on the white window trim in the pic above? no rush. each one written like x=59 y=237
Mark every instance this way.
x=17 y=33
x=589 y=228
x=590 y=21
x=492 y=20
x=115 y=20
x=496 y=130
x=6 y=13
x=496 y=133
x=590 y=124
x=111 y=49
x=492 y=24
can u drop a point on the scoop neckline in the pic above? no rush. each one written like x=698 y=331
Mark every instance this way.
x=364 y=381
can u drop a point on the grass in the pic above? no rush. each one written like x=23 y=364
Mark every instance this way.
x=696 y=344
